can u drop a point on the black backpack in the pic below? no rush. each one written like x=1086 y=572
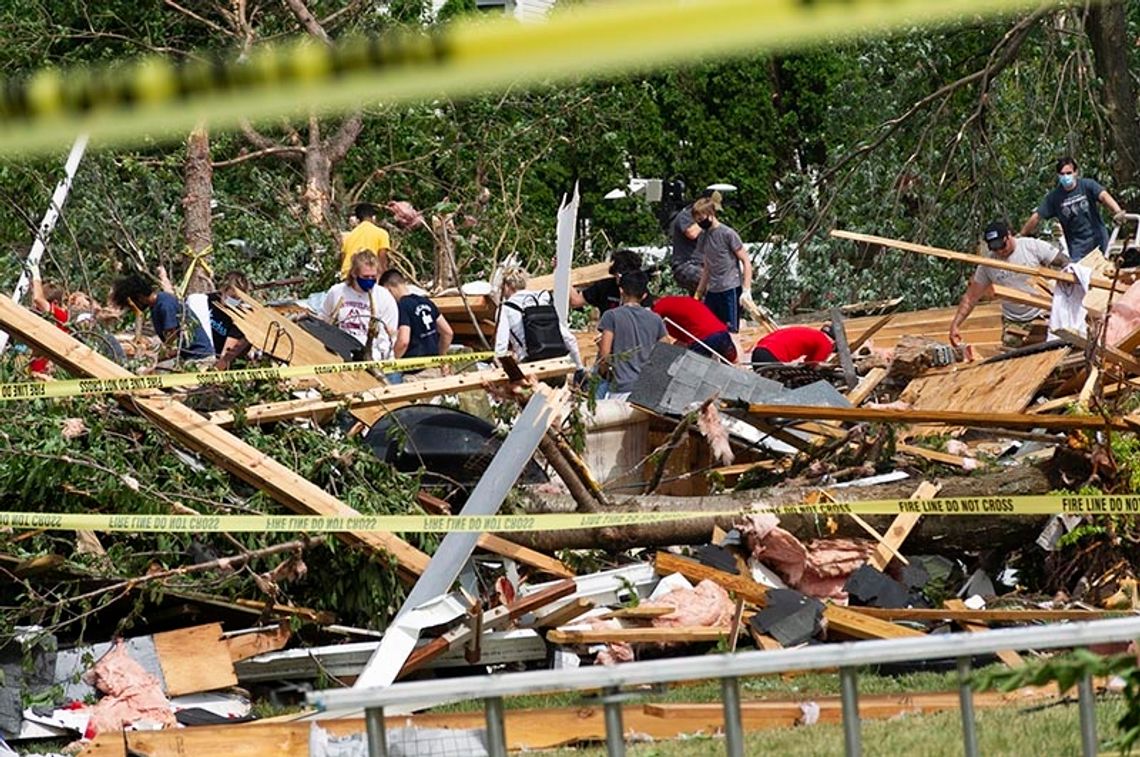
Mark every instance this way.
x=541 y=330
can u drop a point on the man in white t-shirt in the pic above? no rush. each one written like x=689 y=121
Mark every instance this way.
x=1003 y=245
x=361 y=308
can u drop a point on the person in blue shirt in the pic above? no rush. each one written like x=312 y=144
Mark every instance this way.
x=1073 y=202
x=422 y=330
x=177 y=332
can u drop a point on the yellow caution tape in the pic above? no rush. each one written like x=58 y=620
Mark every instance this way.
x=158 y=97
x=33 y=390
x=1027 y=505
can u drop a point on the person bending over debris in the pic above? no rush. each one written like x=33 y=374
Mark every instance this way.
x=363 y=310
x=628 y=335
x=1073 y=203
x=529 y=326
x=792 y=343
x=684 y=259
x=726 y=277
x=1004 y=246
x=47 y=299
x=366 y=235
x=693 y=325
x=422 y=329
x=229 y=341
x=178 y=328
x=604 y=294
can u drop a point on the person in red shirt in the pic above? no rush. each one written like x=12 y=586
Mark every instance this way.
x=792 y=343
x=48 y=300
x=691 y=324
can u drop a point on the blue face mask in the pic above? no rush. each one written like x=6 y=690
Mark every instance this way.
x=1067 y=180
x=366 y=282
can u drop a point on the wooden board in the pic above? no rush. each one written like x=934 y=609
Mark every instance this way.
x=674 y=634
x=246 y=645
x=940 y=417
x=900 y=528
x=194 y=659
x=1029 y=615
x=191 y=429
x=1006 y=386
x=1008 y=656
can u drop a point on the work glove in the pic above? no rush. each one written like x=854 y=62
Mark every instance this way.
x=1120 y=217
x=746 y=300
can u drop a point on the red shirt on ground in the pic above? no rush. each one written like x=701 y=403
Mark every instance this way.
x=689 y=314
x=42 y=364
x=793 y=342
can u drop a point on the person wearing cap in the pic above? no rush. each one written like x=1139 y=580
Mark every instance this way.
x=726 y=273
x=794 y=343
x=1073 y=203
x=366 y=235
x=1003 y=245
x=604 y=294
x=685 y=261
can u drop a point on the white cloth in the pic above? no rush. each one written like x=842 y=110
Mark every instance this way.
x=509 y=334
x=1068 y=301
x=352 y=311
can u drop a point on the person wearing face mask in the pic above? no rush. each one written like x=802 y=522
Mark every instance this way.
x=726 y=275
x=362 y=309
x=229 y=341
x=1073 y=203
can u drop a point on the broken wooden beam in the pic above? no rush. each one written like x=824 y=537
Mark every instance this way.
x=1009 y=656
x=939 y=417
x=254 y=467
x=985 y=615
x=672 y=634
x=900 y=528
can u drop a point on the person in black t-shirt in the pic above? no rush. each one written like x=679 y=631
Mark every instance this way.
x=422 y=330
x=604 y=294
x=229 y=341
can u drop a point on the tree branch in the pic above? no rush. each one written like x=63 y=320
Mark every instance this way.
x=283 y=150
x=307 y=20
x=200 y=19
x=337 y=146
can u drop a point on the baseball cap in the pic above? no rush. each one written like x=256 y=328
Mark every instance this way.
x=995 y=235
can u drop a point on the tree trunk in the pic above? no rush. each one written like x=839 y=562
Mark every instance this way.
x=1107 y=28
x=941 y=534
x=199 y=190
x=318 y=176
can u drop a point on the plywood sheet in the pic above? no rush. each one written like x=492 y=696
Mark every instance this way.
x=1003 y=387
x=194 y=659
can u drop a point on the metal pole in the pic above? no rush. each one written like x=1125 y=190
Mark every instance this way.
x=496 y=734
x=733 y=728
x=47 y=225
x=849 y=694
x=374 y=727
x=615 y=730
x=1087 y=706
x=966 y=701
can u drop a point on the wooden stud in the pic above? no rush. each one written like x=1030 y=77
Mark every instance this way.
x=900 y=528
x=1008 y=656
x=939 y=417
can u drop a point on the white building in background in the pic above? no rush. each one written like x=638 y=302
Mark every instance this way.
x=523 y=10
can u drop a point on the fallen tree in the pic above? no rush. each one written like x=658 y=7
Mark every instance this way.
x=957 y=533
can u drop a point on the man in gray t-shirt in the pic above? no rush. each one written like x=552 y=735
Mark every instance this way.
x=685 y=262
x=628 y=334
x=1020 y=250
x=726 y=279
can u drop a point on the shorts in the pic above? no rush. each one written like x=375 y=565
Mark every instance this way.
x=726 y=306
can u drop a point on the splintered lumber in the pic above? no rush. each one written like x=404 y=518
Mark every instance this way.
x=1028 y=615
x=934 y=455
x=839 y=619
x=1008 y=656
x=194 y=431
x=242 y=646
x=1108 y=352
x=580 y=276
x=500 y=546
x=381 y=396
x=870 y=331
x=1010 y=294
x=641 y=612
x=1006 y=386
x=866 y=386
x=564 y=615
x=900 y=528
x=673 y=634
x=194 y=659
x=939 y=417
x=492 y=620
x=1097 y=282
x=1111 y=388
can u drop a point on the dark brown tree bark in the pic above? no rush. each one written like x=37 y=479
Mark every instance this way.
x=199 y=190
x=1107 y=27
x=941 y=534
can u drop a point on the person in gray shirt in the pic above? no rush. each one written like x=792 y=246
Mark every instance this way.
x=628 y=334
x=726 y=278
x=1073 y=202
x=1003 y=245
x=685 y=261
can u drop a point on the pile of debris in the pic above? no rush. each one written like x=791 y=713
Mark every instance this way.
x=902 y=415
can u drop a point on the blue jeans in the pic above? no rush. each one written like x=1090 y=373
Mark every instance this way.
x=720 y=342
x=726 y=306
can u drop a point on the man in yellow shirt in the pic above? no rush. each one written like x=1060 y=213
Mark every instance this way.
x=365 y=236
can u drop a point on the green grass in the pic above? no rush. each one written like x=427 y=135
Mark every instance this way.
x=1053 y=732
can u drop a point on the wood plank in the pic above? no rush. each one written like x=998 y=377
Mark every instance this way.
x=1108 y=352
x=901 y=527
x=641 y=612
x=1030 y=615
x=579 y=276
x=1112 y=387
x=845 y=621
x=246 y=645
x=194 y=659
x=524 y=555
x=867 y=385
x=194 y=431
x=870 y=331
x=939 y=417
x=411 y=389
x=939 y=457
x=674 y=634
x=1010 y=294
x=1008 y=656
x=1098 y=282
x=563 y=615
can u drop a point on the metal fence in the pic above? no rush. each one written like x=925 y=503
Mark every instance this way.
x=729 y=668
